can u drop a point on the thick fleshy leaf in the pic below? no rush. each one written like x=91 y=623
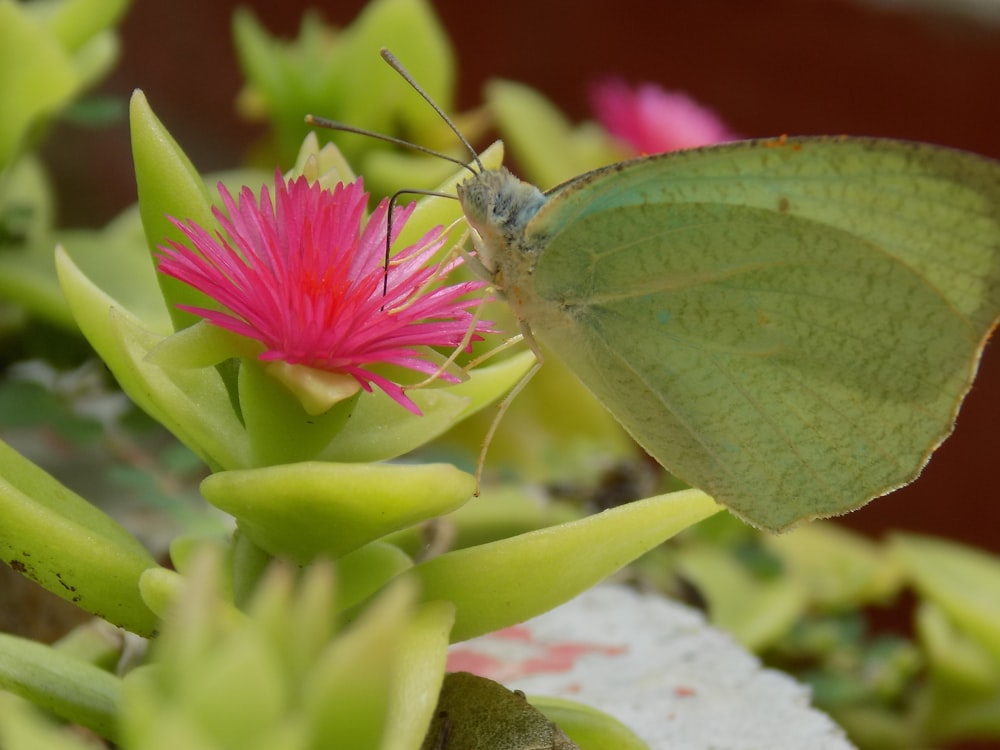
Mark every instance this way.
x=338 y=74
x=956 y=661
x=250 y=563
x=75 y=22
x=27 y=273
x=962 y=581
x=115 y=258
x=37 y=75
x=160 y=589
x=413 y=33
x=192 y=403
x=70 y=688
x=26 y=727
x=586 y=726
x=543 y=142
x=346 y=695
x=279 y=430
x=838 y=568
x=962 y=698
x=379 y=429
x=502 y=583
x=168 y=185
x=757 y=612
x=498 y=513
x=419 y=669
x=212 y=673
x=72 y=548
x=307 y=509
x=365 y=571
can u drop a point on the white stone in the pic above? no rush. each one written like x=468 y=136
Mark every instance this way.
x=658 y=667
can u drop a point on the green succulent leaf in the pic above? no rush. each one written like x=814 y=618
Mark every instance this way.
x=338 y=74
x=420 y=663
x=25 y=727
x=586 y=726
x=380 y=429
x=37 y=76
x=66 y=686
x=758 y=612
x=962 y=581
x=77 y=22
x=545 y=144
x=500 y=583
x=838 y=568
x=308 y=509
x=365 y=571
x=168 y=186
x=193 y=404
x=69 y=546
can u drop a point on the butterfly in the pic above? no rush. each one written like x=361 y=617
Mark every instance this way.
x=789 y=324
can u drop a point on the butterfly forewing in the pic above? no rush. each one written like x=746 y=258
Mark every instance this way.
x=789 y=326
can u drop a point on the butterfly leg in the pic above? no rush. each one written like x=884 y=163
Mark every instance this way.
x=479 y=270
x=462 y=345
x=529 y=339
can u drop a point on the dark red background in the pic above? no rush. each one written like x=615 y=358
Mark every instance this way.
x=769 y=67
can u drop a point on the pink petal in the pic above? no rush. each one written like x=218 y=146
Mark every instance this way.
x=304 y=275
x=653 y=120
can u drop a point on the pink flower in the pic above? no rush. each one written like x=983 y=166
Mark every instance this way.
x=652 y=120
x=306 y=277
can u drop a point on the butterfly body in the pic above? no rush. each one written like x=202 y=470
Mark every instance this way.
x=790 y=325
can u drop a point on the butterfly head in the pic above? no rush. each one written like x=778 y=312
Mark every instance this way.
x=498 y=206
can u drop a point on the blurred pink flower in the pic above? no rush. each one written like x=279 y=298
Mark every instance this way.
x=652 y=120
x=306 y=277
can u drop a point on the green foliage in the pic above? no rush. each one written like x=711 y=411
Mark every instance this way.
x=498 y=583
x=49 y=54
x=69 y=546
x=282 y=675
x=332 y=73
x=802 y=599
x=304 y=510
x=958 y=628
x=25 y=727
x=549 y=148
x=398 y=559
x=66 y=686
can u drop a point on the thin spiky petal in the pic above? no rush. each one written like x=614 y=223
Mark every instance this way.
x=304 y=274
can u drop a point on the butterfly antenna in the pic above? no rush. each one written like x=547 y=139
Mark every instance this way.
x=396 y=65
x=388 y=224
x=343 y=127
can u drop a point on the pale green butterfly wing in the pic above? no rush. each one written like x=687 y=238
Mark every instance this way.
x=789 y=325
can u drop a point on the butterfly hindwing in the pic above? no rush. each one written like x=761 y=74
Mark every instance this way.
x=790 y=327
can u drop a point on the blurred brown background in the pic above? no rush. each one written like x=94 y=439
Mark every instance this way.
x=768 y=67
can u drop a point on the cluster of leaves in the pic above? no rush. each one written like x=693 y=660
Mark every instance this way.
x=804 y=601
x=300 y=488
x=253 y=654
